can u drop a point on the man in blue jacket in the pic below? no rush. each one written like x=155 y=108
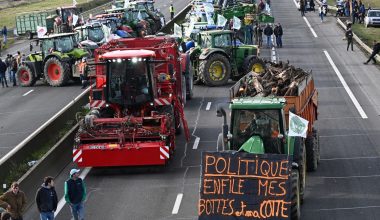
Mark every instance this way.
x=75 y=194
x=46 y=199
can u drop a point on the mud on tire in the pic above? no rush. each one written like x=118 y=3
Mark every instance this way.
x=56 y=73
x=25 y=76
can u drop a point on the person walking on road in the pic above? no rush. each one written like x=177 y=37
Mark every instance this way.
x=268 y=31
x=14 y=67
x=46 y=199
x=15 y=200
x=3 y=69
x=349 y=37
x=302 y=7
x=75 y=194
x=321 y=13
x=171 y=10
x=375 y=50
x=4 y=32
x=83 y=71
x=278 y=33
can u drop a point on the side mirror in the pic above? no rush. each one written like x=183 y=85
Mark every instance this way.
x=80 y=10
x=57 y=11
x=220 y=112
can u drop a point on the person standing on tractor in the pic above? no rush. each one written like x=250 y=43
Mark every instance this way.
x=171 y=10
x=83 y=72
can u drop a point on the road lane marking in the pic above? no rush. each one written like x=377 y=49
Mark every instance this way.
x=62 y=201
x=348 y=90
x=196 y=143
x=177 y=203
x=28 y=92
x=208 y=106
x=311 y=29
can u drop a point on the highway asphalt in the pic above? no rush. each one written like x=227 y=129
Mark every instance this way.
x=346 y=183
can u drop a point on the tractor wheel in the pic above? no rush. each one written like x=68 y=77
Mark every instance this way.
x=295 y=196
x=255 y=65
x=216 y=70
x=25 y=76
x=56 y=72
x=312 y=151
x=300 y=158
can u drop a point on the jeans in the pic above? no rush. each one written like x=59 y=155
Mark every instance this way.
x=321 y=15
x=279 y=41
x=10 y=74
x=46 y=215
x=3 y=79
x=77 y=210
x=13 y=73
x=269 y=41
x=5 y=39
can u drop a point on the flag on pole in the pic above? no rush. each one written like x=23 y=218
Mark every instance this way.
x=236 y=23
x=210 y=21
x=208 y=7
x=177 y=30
x=221 y=21
x=126 y=3
x=75 y=2
x=297 y=126
x=75 y=19
x=41 y=31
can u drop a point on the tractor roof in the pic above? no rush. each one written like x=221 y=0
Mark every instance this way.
x=57 y=35
x=270 y=102
x=129 y=54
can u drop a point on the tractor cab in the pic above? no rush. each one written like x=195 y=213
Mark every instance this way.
x=257 y=125
x=63 y=43
x=66 y=13
x=129 y=77
x=92 y=32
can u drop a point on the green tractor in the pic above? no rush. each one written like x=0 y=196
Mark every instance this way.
x=56 y=63
x=219 y=57
x=260 y=125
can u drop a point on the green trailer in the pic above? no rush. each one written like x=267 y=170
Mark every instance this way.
x=26 y=23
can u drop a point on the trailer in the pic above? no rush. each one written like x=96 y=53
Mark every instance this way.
x=136 y=105
x=26 y=23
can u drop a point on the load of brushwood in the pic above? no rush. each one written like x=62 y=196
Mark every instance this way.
x=279 y=79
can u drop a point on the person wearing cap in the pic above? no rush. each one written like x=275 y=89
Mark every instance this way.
x=75 y=194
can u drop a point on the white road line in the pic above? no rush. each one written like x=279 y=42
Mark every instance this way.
x=208 y=106
x=177 y=203
x=348 y=90
x=311 y=29
x=62 y=201
x=28 y=92
x=196 y=143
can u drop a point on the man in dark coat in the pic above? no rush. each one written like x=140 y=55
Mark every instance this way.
x=375 y=50
x=268 y=31
x=278 y=33
x=75 y=194
x=350 y=37
x=3 y=69
x=46 y=199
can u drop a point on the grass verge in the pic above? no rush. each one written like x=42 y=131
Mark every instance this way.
x=367 y=35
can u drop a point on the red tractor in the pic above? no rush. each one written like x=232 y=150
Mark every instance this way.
x=136 y=106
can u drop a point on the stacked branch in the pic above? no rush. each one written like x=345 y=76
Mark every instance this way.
x=279 y=79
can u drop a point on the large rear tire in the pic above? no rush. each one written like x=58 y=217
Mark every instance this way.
x=216 y=70
x=254 y=64
x=295 y=196
x=300 y=159
x=312 y=151
x=25 y=76
x=56 y=73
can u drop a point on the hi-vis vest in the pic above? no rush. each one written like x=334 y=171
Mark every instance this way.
x=171 y=9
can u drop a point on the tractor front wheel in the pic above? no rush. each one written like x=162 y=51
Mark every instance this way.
x=25 y=76
x=255 y=65
x=56 y=73
x=216 y=70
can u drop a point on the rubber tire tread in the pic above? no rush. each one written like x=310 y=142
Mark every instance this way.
x=205 y=64
x=295 y=208
x=301 y=161
x=312 y=152
x=248 y=64
x=32 y=78
x=65 y=69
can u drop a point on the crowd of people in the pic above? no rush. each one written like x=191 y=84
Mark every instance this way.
x=8 y=67
x=13 y=202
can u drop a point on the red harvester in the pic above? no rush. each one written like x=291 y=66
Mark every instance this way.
x=136 y=106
